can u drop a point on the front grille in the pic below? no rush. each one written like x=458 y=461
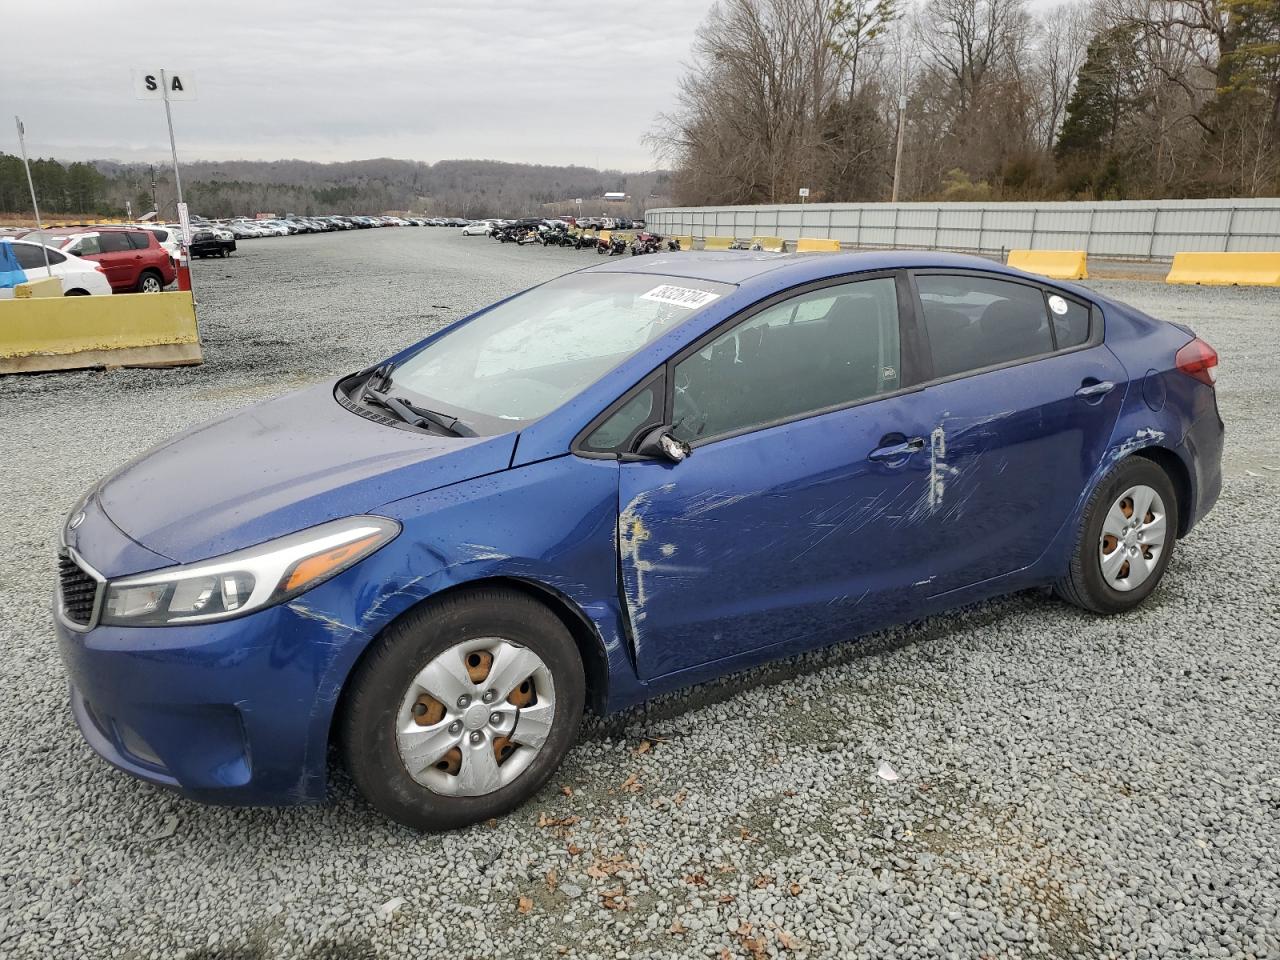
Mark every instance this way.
x=78 y=590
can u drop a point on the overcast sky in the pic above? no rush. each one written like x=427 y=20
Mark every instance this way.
x=542 y=81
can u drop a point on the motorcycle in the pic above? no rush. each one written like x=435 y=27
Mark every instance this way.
x=645 y=243
x=674 y=244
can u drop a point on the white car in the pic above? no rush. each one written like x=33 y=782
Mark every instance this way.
x=169 y=237
x=480 y=228
x=79 y=277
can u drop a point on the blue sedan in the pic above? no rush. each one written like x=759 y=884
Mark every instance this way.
x=629 y=479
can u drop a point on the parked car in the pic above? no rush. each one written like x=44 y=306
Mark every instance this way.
x=225 y=237
x=205 y=243
x=79 y=277
x=623 y=481
x=478 y=228
x=132 y=259
x=169 y=237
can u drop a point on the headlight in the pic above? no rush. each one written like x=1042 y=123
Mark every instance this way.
x=246 y=580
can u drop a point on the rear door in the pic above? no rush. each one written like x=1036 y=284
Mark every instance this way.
x=790 y=521
x=1023 y=397
x=119 y=259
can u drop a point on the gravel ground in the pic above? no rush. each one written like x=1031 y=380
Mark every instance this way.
x=1068 y=785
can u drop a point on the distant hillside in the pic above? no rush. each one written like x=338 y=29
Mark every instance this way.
x=464 y=188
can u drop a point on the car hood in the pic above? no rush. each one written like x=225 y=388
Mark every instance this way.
x=280 y=466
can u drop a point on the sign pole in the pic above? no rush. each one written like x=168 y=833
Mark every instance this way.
x=22 y=145
x=184 y=263
x=173 y=149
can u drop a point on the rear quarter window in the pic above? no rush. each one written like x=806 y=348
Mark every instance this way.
x=1070 y=321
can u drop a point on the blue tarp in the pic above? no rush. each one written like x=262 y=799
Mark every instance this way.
x=11 y=274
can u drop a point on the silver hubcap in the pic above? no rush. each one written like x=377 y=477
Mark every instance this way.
x=150 y=285
x=1133 y=537
x=475 y=717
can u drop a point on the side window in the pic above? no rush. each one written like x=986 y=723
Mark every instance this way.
x=31 y=257
x=86 y=246
x=827 y=348
x=976 y=322
x=1070 y=321
x=113 y=243
x=140 y=240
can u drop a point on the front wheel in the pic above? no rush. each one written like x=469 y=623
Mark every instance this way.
x=463 y=709
x=1126 y=540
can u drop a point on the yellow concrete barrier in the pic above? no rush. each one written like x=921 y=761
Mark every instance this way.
x=44 y=287
x=123 y=330
x=1054 y=264
x=817 y=245
x=1226 y=269
x=769 y=244
x=717 y=243
x=685 y=241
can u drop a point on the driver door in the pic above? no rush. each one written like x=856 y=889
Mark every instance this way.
x=785 y=524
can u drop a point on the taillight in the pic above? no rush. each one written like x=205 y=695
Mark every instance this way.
x=1198 y=359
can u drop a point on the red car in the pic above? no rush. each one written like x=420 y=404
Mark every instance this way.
x=133 y=260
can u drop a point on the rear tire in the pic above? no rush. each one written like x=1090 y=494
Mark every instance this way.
x=374 y=720
x=1145 y=550
x=76 y=293
x=150 y=282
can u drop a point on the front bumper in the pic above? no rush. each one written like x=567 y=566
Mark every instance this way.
x=229 y=713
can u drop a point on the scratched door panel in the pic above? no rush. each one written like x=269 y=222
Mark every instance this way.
x=1011 y=452
x=775 y=535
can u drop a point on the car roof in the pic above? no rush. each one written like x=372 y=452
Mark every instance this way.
x=741 y=266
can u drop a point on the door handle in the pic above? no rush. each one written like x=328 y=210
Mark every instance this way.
x=897 y=451
x=1099 y=388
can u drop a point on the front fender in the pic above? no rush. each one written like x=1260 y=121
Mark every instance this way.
x=552 y=524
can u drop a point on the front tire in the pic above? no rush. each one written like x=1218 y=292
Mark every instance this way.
x=462 y=709
x=1126 y=540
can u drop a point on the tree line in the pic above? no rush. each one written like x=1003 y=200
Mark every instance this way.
x=465 y=188
x=1091 y=99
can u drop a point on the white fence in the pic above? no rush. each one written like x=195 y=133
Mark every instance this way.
x=1121 y=229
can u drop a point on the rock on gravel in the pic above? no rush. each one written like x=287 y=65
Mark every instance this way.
x=1068 y=786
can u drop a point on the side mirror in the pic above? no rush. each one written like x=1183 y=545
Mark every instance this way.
x=660 y=444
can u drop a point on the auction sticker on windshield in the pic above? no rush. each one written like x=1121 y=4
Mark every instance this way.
x=685 y=297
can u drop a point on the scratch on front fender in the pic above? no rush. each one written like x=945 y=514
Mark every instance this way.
x=332 y=625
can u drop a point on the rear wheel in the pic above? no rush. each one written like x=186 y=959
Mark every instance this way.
x=1126 y=540
x=150 y=282
x=463 y=709
x=77 y=293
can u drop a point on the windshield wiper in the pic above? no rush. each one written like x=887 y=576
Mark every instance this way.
x=416 y=416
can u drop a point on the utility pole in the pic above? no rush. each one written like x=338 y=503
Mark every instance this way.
x=154 y=205
x=897 y=160
x=22 y=144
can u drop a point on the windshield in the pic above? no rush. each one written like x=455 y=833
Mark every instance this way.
x=529 y=355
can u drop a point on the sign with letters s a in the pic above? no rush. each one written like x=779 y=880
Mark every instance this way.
x=153 y=84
